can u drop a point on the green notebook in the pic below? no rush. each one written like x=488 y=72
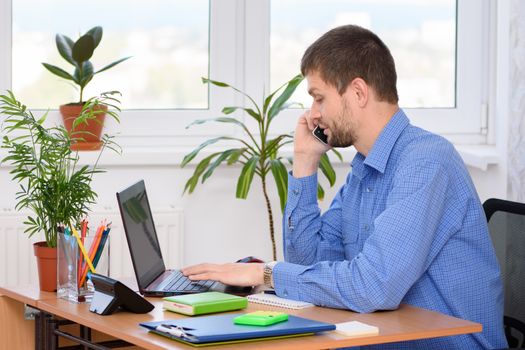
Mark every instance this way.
x=204 y=303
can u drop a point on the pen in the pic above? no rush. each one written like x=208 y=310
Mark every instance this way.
x=82 y=249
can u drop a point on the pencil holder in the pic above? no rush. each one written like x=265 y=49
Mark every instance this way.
x=73 y=283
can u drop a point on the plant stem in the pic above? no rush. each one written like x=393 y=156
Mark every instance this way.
x=270 y=217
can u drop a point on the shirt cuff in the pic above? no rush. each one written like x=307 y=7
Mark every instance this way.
x=283 y=274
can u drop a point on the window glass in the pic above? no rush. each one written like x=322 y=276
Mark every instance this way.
x=168 y=42
x=421 y=36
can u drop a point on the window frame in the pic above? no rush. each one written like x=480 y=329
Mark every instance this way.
x=239 y=55
x=466 y=123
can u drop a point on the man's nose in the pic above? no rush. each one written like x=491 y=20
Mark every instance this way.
x=315 y=114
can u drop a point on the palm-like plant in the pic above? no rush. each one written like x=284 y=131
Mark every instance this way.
x=257 y=153
x=53 y=186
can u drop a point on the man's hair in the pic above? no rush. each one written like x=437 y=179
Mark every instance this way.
x=348 y=52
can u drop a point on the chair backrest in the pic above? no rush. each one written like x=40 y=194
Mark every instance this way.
x=506 y=221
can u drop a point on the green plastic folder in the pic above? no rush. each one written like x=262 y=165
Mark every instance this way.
x=204 y=303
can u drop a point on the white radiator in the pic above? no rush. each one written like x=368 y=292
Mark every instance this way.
x=18 y=264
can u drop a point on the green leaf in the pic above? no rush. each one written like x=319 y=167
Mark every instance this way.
x=320 y=192
x=250 y=111
x=87 y=73
x=65 y=47
x=214 y=82
x=280 y=175
x=287 y=93
x=327 y=169
x=234 y=157
x=227 y=120
x=112 y=64
x=83 y=49
x=199 y=169
x=96 y=33
x=192 y=154
x=246 y=177
x=58 y=71
x=337 y=154
x=217 y=162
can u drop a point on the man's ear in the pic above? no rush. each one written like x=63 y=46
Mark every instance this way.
x=360 y=91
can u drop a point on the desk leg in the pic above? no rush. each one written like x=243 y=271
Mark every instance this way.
x=39 y=330
x=50 y=326
x=85 y=333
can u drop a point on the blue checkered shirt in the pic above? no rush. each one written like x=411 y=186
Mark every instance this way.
x=406 y=227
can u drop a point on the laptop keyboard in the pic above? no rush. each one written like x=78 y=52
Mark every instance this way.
x=177 y=281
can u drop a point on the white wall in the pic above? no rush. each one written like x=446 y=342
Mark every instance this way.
x=219 y=227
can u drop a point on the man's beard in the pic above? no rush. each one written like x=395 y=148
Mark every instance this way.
x=343 y=129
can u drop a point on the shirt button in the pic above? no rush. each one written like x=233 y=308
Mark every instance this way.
x=285 y=293
x=296 y=191
x=369 y=189
x=366 y=227
x=291 y=228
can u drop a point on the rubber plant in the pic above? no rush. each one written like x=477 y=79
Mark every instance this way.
x=256 y=152
x=78 y=54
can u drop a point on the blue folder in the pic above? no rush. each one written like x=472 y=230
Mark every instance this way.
x=220 y=328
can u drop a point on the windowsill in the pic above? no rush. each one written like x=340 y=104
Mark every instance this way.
x=479 y=156
x=476 y=156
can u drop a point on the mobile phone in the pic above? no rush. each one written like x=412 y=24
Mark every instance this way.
x=319 y=134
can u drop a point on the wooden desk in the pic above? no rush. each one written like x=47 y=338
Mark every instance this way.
x=406 y=323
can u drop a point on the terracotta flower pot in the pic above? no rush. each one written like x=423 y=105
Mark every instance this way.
x=90 y=140
x=46 y=259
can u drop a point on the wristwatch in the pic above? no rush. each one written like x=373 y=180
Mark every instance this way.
x=268 y=273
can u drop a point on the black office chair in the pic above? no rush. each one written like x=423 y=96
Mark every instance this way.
x=506 y=222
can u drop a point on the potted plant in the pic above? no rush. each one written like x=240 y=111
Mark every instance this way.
x=54 y=187
x=257 y=153
x=78 y=54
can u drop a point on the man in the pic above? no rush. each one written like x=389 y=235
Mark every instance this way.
x=406 y=227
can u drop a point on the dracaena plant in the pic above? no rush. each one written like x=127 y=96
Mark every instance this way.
x=78 y=54
x=54 y=187
x=257 y=152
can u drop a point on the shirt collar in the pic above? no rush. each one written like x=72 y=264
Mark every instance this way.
x=380 y=152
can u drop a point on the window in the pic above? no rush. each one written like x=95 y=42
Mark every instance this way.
x=168 y=42
x=440 y=46
x=421 y=36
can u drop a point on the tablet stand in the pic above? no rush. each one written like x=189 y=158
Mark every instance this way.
x=111 y=295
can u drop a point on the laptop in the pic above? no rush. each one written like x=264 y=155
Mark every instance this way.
x=152 y=276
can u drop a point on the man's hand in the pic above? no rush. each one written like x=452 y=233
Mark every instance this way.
x=235 y=274
x=307 y=149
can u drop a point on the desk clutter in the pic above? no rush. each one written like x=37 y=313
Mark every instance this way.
x=221 y=329
x=78 y=254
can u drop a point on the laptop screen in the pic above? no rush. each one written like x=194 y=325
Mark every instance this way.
x=141 y=235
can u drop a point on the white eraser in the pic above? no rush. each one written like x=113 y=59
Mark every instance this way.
x=355 y=328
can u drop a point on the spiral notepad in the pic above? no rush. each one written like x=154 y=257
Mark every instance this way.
x=274 y=300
